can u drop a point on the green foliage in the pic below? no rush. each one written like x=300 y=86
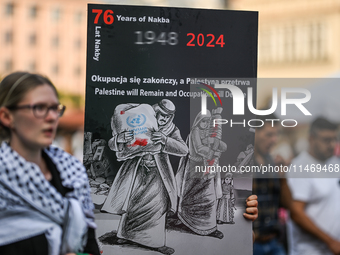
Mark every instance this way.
x=73 y=101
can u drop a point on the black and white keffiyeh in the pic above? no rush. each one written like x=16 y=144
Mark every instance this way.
x=23 y=186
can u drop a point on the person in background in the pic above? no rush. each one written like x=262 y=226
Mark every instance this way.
x=271 y=190
x=314 y=226
x=45 y=204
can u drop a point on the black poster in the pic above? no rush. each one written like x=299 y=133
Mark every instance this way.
x=164 y=168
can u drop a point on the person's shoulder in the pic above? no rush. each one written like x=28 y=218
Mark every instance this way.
x=6 y=154
x=303 y=158
x=195 y=129
x=58 y=154
x=70 y=168
x=4 y=147
x=269 y=160
x=333 y=160
x=56 y=151
x=9 y=156
x=298 y=165
x=175 y=129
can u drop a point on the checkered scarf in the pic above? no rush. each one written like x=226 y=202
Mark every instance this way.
x=22 y=184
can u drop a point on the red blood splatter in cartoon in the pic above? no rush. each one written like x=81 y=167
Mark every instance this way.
x=210 y=162
x=140 y=142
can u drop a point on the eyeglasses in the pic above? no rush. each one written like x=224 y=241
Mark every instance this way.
x=41 y=110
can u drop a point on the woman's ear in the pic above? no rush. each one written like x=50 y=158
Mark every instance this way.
x=6 y=117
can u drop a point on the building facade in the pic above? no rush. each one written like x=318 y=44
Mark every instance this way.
x=47 y=37
x=297 y=38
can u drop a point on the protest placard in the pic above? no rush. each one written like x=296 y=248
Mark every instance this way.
x=164 y=177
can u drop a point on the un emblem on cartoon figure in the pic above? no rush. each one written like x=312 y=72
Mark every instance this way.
x=136 y=120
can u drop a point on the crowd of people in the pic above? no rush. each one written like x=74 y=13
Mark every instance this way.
x=310 y=194
x=45 y=203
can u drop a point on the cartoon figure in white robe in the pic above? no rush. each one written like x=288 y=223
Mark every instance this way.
x=144 y=189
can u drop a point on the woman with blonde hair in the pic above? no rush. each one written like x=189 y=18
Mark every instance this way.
x=45 y=204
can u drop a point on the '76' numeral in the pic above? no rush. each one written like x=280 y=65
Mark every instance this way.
x=108 y=17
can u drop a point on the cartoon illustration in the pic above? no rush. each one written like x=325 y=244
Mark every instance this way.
x=147 y=204
x=226 y=204
x=245 y=158
x=144 y=189
x=198 y=192
x=98 y=168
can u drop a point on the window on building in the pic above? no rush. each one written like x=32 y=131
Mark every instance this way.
x=32 y=39
x=77 y=43
x=55 y=41
x=312 y=41
x=32 y=66
x=295 y=42
x=317 y=41
x=265 y=46
x=301 y=42
x=78 y=17
x=33 y=11
x=8 y=65
x=55 y=69
x=77 y=71
x=289 y=43
x=8 y=37
x=9 y=9
x=56 y=14
x=321 y=41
